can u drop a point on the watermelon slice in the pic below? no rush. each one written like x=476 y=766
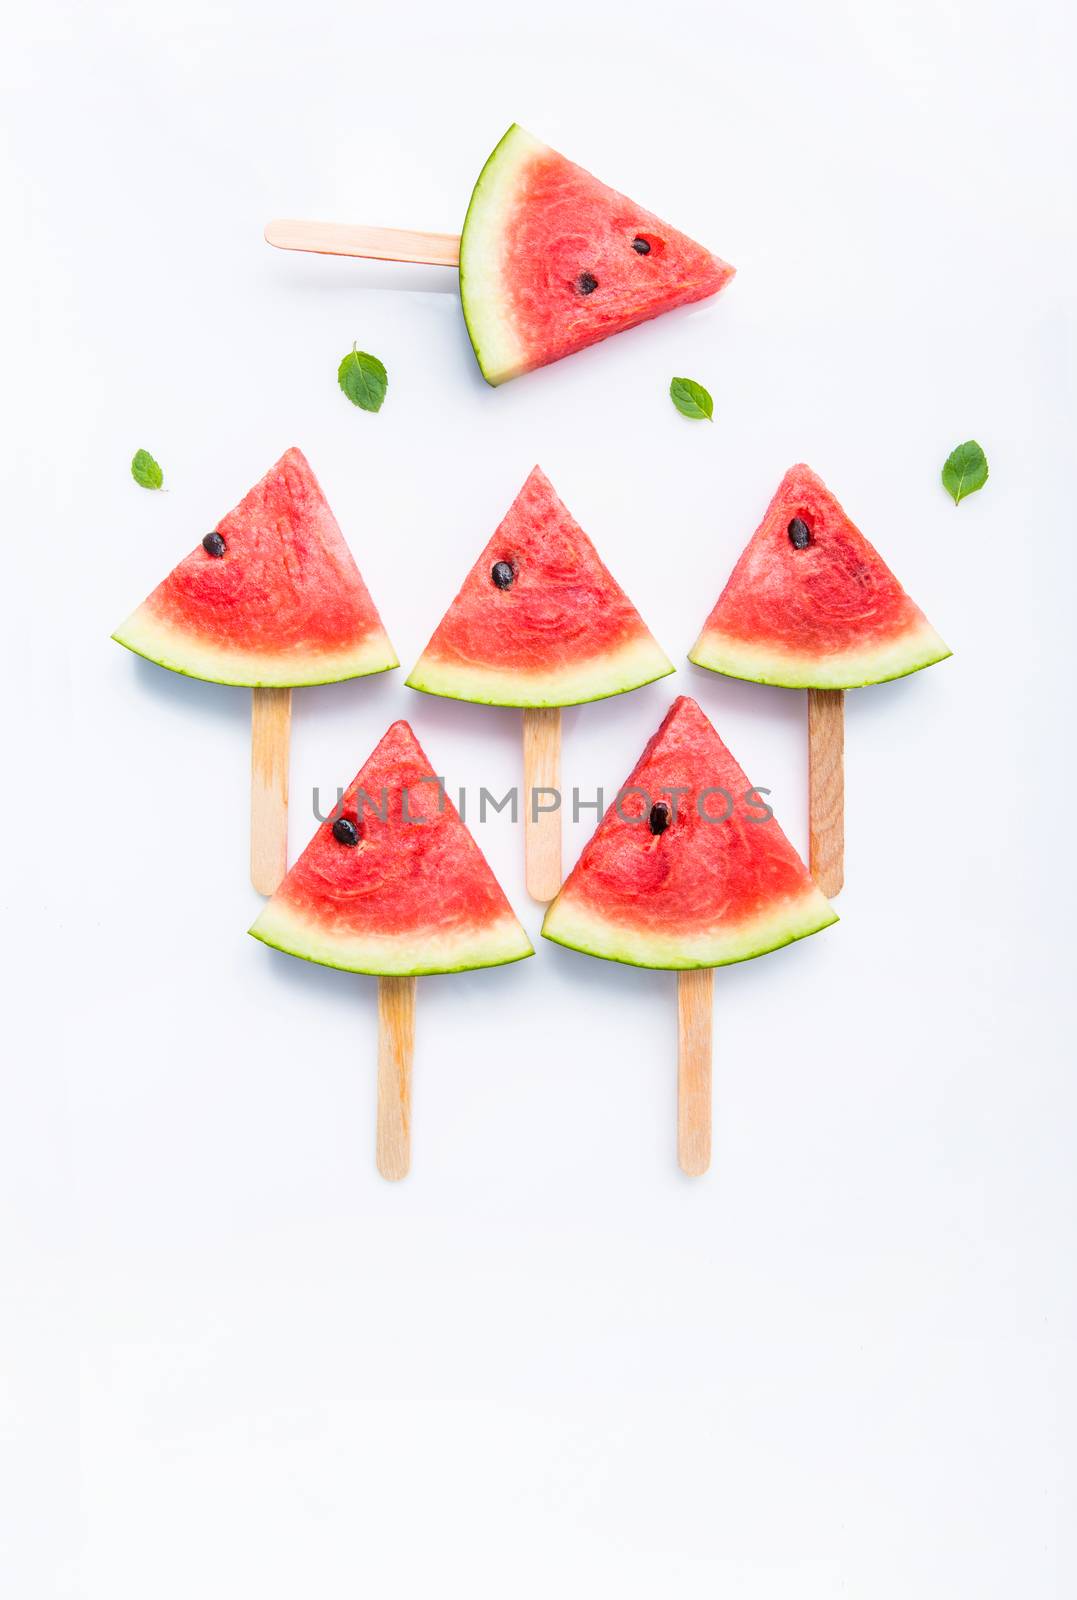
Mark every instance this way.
x=811 y=605
x=540 y=621
x=282 y=604
x=551 y=261
x=682 y=887
x=410 y=893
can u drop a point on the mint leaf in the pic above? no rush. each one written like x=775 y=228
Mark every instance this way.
x=363 y=379
x=145 y=471
x=691 y=399
x=965 y=470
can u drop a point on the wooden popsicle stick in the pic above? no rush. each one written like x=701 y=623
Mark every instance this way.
x=542 y=833
x=271 y=721
x=396 y=1048
x=695 y=1021
x=826 y=788
x=375 y=244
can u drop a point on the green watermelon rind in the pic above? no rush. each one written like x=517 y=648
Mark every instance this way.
x=585 y=930
x=615 y=672
x=497 y=346
x=400 y=956
x=186 y=653
x=853 y=669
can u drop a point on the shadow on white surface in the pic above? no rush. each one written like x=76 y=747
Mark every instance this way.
x=320 y=986
x=344 y=275
x=196 y=695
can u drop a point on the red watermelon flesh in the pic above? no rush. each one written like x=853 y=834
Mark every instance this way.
x=414 y=895
x=551 y=260
x=284 y=605
x=830 y=615
x=700 y=893
x=562 y=631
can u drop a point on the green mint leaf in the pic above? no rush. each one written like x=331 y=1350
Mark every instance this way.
x=363 y=379
x=145 y=471
x=691 y=399
x=965 y=470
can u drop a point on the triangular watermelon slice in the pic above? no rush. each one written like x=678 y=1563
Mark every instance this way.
x=393 y=883
x=271 y=598
x=811 y=605
x=540 y=621
x=551 y=260
x=669 y=880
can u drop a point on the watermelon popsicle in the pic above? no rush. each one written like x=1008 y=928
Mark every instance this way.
x=687 y=871
x=551 y=260
x=271 y=599
x=811 y=605
x=539 y=623
x=394 y=885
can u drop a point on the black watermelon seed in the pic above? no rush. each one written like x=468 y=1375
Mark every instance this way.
x=213 y=544
x=799 y=534
x=587 y=283
x=345 y=831
x=503 y=574
x=660 y=817
x=642 y=247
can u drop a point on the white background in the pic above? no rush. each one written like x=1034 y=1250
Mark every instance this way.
x=235 y=1361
